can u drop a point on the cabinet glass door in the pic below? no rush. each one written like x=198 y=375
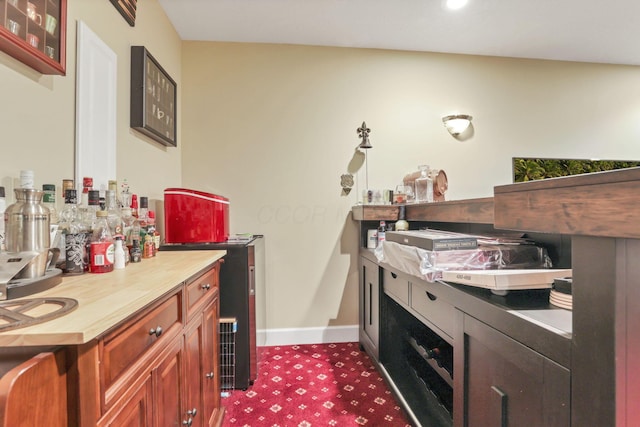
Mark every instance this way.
x=34 y=32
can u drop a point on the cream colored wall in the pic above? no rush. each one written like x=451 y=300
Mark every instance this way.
x=37 y=115
x=273 y=127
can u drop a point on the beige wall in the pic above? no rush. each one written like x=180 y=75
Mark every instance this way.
x=37 y=115
x=273 y=127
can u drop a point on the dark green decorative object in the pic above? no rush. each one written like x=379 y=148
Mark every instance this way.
x=530 y=169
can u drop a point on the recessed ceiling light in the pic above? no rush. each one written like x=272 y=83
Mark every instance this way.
x=455 y=4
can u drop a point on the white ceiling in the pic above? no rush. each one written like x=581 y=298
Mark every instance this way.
x=606 y=31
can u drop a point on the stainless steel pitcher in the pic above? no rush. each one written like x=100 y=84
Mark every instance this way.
x=27 y=230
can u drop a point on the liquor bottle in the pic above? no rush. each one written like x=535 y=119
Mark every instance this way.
x=102 y=248
x=152 y=230
x=424 y=186
x=143 y=219
x=134 y=205
x=382 y=230
x=89 y=213
x=49 y=201
x=87 y=185
x=148 y=250
x=75 y=236
x=125 y=195
x=3 y=206
x=136 y=253
x=119 y=260
x=401 y=223
x=114 y=216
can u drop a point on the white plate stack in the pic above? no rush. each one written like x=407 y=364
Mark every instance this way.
x=560 y=294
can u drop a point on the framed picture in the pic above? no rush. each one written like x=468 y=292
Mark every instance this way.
x=153 y=98
x=127 y=9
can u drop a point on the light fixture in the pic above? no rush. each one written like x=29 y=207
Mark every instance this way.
x=363 y=132
x=455 y=4
x=457 y=123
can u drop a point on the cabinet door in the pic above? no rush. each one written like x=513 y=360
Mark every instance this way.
x=168 y=385
x=210 y=361
x=135 y=412
x=508 y=384
x=370 y=305
x=192 y=408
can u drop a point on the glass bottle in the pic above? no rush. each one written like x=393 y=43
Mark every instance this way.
x=148 y=250
x=87 y=185
x=401 y=223
x=49 y=201
x=114 y=216
x=382 y=232
x=119 y=260
x=134 y=205
x=102 y=249
x=135 y=253
x=127 y=223
x=152 y=230
x=89 y=214
x=424 y=186
x=143 y=219
x=75 y=236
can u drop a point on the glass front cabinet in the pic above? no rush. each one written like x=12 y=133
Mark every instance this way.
x=34 y=32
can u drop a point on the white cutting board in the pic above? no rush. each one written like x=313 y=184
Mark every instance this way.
x=506 y=279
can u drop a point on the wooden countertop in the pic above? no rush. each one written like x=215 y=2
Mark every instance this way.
x=104 y=300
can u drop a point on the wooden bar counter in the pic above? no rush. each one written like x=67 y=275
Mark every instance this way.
x=140 y=348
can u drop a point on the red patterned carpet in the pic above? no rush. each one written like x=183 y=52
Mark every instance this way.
x=314 y=385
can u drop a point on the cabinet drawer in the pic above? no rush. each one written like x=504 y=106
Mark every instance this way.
x=396 y=285
x=201 y=289
x=426 y=302
x=124 y=346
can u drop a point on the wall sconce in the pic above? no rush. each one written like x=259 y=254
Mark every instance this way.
x=457 y=123
x=363 y=132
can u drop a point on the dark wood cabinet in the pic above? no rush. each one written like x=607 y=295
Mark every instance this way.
x=508 y=384
x=369 y=306
x=34 y=32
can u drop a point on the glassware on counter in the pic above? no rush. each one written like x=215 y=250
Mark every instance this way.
x=424 y=186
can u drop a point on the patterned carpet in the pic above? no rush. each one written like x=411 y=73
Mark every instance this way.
x=314 y=385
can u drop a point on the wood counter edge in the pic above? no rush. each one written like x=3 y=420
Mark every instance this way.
x=44 y=334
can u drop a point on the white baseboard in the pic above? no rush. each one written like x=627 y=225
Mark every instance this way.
x=325 y=335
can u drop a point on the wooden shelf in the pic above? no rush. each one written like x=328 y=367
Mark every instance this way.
x=476 y=211
x=603 y=204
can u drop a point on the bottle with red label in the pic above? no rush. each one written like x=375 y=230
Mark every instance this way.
x=102 y=249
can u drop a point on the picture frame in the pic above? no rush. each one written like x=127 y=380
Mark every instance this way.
x=153 y=98
x=127 y=9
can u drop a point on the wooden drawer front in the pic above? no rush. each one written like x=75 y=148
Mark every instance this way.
x=124 y=347
x=425 y=301
x=200 y=290
x=396 y=285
